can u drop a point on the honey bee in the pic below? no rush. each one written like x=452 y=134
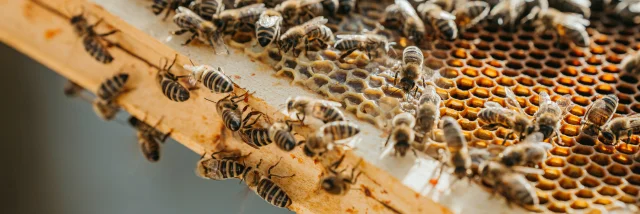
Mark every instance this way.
x=280 y=133
x=459 y=157
x=367 y=42
x=631 y=64
x=228 y=109
x=105 y=106
x=159 y=6
x=513 y=186
x=428 y=111
x=318 y=142
x=243 y=18
x=469 y=14
x=510 y=11
x=207 y=8
x=338 y=183
x=626 y=11
x=413 y=26
x=581 y=7
x=295 y=12
x=149 y=138
x=548 y=117
x=214 y=79
x=168 y=82
x=531 y=151
x=439 y=19
x=324 y=110
x=93 y=42
x=204 y=30
x=255 y=137
x=221 y=169
x=393 y=17
x=292 y=37
x=598 y=114
x=621 y=128
x=411 y=71
x=402 y=132
x=271 y=192
x=494 y=115
x=565 y=25
x=268 y=29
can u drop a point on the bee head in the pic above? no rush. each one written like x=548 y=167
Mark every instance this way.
x=330 y=184
x=608 y=137
x=402 y=148
x=406 y=84
x=307 y=151
x=133 y=121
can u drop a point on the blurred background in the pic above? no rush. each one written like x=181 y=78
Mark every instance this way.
x=59 y=157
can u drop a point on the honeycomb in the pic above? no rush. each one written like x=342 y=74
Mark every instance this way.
x=581 y=174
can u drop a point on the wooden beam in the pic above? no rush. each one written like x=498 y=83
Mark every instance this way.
x=41 y=30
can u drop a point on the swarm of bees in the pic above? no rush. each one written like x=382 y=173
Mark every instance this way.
x=292 y=27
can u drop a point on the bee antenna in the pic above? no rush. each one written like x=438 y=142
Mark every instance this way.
x=210 y=100
x=191 y=62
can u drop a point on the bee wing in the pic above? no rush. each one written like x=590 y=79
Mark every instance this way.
x=329 y=103
x=491 y=104
x=564 y=103
x=484 y=6
x=351 y=36
x=633 y=6
x=406 y=8
x=511 y=99
x=441 y=14
x=536 y=137
x=269 y=21
x=187 y=11
x=527 y=170
x=320 y=20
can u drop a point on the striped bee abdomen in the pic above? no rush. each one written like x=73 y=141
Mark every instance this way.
x=174 y=91
x=96 y=49
x=257 y=137
x=328 y=113
x=272 y=193
x=232 y=119
x=231 y=169
x=347 y=44
x=265 y=35
x=217 y=82
x=493 y=116
x=284 y=140
x=339 y=130
x=447 y=28
x=112 y=87
x=149 y=147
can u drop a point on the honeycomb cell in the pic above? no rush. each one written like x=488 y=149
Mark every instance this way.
x=460 y=94
x=353 y=98
x=566 y=81
x=578 y=160
x=629 y=78
x=604 y=89
x=518 y=55
x=474 y=63
x=596 y=171
x=584 y=193
x=622 y=159
x=465 y=83
x=495 y=63
x=608 y=78
x=613 y=181
x=602 y=201
x=546 y=185
x=482 y=45
x=562 y=195
x=541 y=46
x=551 y=173
x=471 y=72
x=359 y=73
x=356 y=84
x=625 y=88
x=611 y=69
x=630 y=190
x=501 y=46
x=455 y=104
x=557 y=208
x=339 y=75
x=607 y=191
x=579 y=204
x=627 y=199
x=567 y=183
x=440 y=54
x=324 y=67
x=570 y=71
x=392 y=91
x=615 y=59
x=555 y=162
x=526 y=81
x=573 y=62
x=536 y=54
x=560 y=151
x=597 y=50
x=485 y=82
x=481 y=92
x=514 y=65
x=459 y=53
x=533 y=64
x=498 y=55
x=617 y=170
x=590 y=70
x=553 y=63
x=601 y=148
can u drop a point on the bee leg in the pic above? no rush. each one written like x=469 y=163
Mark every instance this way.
x=108 y=33
x=388 y=138
x=558 y=138
x=336 y=164
x=301 y=119
x=269 y=175
x=506 y=137
x=179 y=32
x=190 y=39
x=629 y=133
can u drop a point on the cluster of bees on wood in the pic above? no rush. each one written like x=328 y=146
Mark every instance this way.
x=294 y=26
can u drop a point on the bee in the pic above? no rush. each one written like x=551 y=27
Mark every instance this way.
x=72 y=89
x=626 y=11
x=295 y=12
x=565 y=25
x=346 y=6
x=471 y=13
x=581 y=7
x=295 y=35
x=169 y=84
x=93 y=42
x=513 y=186
x=271 y=192
x=255 y=137
x=204 y=30
x=598 y=114
x=228 y=109
x=318 y=142
x=214 y=79
x=494 y=115
x=105 y=106
x=631 y=64
x=159 y=6
x=459 y=157
x=206 y=8
x=402 y=132
x=548 y=117
x=393 y=17
x=221 y=169
x=149 y=138
x=367 y=42
x=413 y=27
x=268 y=27
x=428 y=111
x=324 y=110
x=509 y=12
x=411 y=71
x=338 y=183
x=531 y=151
x=243 y=18
x=620 y=128
x=280 y=133
x=440 y=20
x=105 y=109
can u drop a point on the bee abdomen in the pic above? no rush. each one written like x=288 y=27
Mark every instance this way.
x=174 y=91
x=231 y=119
x=217 y=82
x=273 y=194
x=448 y=28
x=97 y=50
x=207 y=9
x=258 y=137
x=150 y=149
x=112 y=86
x=265 y=35
x=340 y=130
x=231 y=169
x=332 y=114
x=347 y=45
x=284 y=140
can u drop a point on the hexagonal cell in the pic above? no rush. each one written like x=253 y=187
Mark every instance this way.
x=481 y=93
x=475 y=102
x=572 y=171
x=601 y=159
x=459 y=94
x=518 y=54
x=369 y=108
x=613 y=181
x=337 y=89
x=596 y=171
x=567 y=183
x=353 y=98
x=546 y=185
x=603 y=201
x=608 y=78
x=459 y=53
x=626 y=88
x=604 y=149
x=617 y=170
x=484 y=82
x=558 y=208
x=611 y=69
x=560 y=151
x=608 y=191
x=490 y=72
x=584 y=91
x=454 y=104
x=339 y=75
x=615 y=59
x=570 y=71
x=590 y=182
x=376 y=81
x=630 y=190
x=555 y=162
x=584 y=193
x=622 y=159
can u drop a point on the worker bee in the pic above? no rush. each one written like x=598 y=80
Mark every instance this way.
x=295 y=12
x=255 y=137
x=549 y=115
x=271 y=192
x=581 y=7
x=627 y=13
x=620 y=128
x=494 y=115
x=228 y=109
x=509 y=12
x=149 y=138
x=214 y=79
x=242 y=19
x=105 y=106
x=413 y=27
x=367 y=42
x=169 y=84
x=440 y=20
x=459 y=157
x=207 y=8
x=565 y=25
x=268 y=27
x=513 y=186
x=319 y=141
x=338 y=183
x=292 y=37
x=531 y=151
x=93 y=42
x=469 y=14
x=280 y=133
x=631 y=64
x=598 y=114
x=324 y=110
x=428 y=111
x=321 y=35
x=393 y=17
x=159 y=6
x=411 y=71
x=402 y=133
x=221 y=169
x=204 y=30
